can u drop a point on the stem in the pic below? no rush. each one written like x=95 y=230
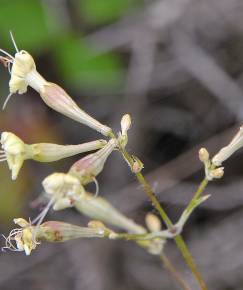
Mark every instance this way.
x=178 y=239
x=174 y=272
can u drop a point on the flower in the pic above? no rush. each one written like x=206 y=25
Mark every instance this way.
x=48 y=152
x=24 y=74
x=21 y=239
x=235 y=144
x=63 y=188
x=14 y=152
x=28 y=236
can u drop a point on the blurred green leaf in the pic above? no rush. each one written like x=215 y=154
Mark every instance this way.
x=27 y=20
x=80 y=65
x=103 y=11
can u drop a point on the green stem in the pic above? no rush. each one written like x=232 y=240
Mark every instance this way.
x=174 y=272
x=178 y=239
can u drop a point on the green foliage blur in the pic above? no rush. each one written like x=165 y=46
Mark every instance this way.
x=38 y=27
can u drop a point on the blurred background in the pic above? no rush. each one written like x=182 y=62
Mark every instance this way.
x=177 y=67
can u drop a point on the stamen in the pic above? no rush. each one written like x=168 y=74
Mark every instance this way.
x=97 y=187
x=9 y=67
x=8 y=240
x=6 y=53
x=14 y=43
x=43 y=213
x=6 y=101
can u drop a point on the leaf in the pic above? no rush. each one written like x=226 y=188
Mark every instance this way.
x=81 y=66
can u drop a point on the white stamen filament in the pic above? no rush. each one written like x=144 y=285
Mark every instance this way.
x=6 y=101
x=13 y=41
x=97 y=187
x=41 y=216
x=6 y=53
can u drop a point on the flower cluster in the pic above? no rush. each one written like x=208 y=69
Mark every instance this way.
x=65 y=190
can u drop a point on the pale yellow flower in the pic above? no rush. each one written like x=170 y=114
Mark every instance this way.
x=64 y=189
x=15 y=151
x=21 y=239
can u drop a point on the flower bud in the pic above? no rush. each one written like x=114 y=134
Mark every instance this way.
x=153 y=222
x=57 y=99
x=217 y=173
x=137 y=165
x=126 y=123
x=203 y=155
x=87 y=168
x=125 y=126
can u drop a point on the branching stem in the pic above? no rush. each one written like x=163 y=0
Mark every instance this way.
x=178 y=239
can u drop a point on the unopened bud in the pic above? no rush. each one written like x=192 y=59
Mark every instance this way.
x=153 y=222
x=137 y=165
x=87 y=168
x=125 y=124
x=96 y=225
x=203 y=155
x=217 y=173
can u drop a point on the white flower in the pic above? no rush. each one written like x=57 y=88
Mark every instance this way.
x=64 y=189
x=235 y=144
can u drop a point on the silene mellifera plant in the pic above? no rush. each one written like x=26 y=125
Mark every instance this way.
x=68 y=189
